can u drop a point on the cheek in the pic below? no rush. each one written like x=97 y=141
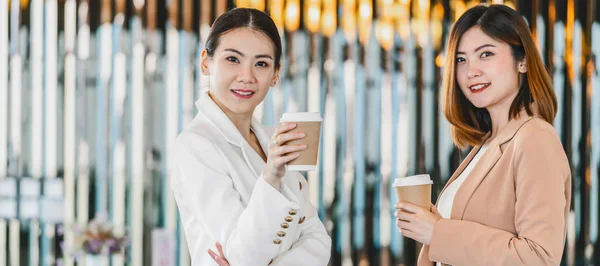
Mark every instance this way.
x=461 y=78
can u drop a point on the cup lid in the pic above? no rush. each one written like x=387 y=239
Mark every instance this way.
x=301 y=117
x=413 y=180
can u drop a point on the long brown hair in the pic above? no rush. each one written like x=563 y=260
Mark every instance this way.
x=469 y=124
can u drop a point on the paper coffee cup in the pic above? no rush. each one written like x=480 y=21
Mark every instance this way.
x=414 y=189
x=310 y=124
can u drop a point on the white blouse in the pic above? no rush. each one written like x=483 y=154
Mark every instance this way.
x=447 y=198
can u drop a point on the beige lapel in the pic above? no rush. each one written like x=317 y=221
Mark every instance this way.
x=485 y=164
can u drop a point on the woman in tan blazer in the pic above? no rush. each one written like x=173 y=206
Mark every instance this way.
x=507 y=203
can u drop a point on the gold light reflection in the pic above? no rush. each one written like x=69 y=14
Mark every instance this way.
x=292 y=15
x=385 y=34
x=402 y=11
x=349 y=19
x=570 y=24
x=385 y=29
x=258 y=4
x=276 y=12
x=439 y=60
x=459 y=9
x=510 y=4
x=242 y=3
x=365 y=11
x=437 y=16
x=312 y=15
x=420 y=23
x=329 y=19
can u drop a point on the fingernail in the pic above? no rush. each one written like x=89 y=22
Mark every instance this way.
x=304 y=147
x=303 y=135
x=297 y=155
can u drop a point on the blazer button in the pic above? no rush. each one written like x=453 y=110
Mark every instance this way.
x=302 y=220
x=270 y=262
x=289 y=219
x=281 y=233
x=293 y=212
x=284 y=225
x=277 y=241
x=300 y=185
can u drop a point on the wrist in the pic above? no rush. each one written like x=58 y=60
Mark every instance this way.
x=273 y=181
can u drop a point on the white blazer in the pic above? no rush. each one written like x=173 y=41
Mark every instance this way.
x=222 y=197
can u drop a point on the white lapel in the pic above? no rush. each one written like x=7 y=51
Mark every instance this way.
x=213 y=113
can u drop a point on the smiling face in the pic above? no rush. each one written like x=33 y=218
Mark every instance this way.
x=241 y=70
x=486 y=70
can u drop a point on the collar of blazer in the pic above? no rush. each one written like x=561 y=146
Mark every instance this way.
x=486 y=162
x=213 y=113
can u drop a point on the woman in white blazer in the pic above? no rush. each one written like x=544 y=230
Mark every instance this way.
x=229 y=180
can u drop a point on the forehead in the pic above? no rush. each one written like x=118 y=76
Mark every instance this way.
x=474 y=38
x=247 y=41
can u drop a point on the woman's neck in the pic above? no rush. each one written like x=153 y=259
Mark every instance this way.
x=242 y=122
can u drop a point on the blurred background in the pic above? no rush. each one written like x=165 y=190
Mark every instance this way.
x=94 y=92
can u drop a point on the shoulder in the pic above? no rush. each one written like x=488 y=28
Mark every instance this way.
x=199 y=138
x=536 y=130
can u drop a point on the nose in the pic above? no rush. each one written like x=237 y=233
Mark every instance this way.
x=246 y=74
x=473 y=70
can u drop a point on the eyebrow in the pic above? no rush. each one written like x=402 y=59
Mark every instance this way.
x=478 y=48
x=242 y=54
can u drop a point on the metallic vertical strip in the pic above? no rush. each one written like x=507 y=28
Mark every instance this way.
x=137 y=150
x=171 y=129
x=182 y=56
x=387 y=199
x=3 y=91
x=104 y=39
x=576 y=122
x=410 y=66
x=70 y=113
x=595 y=132
x=359 y=195
x=301 y=64
x=427 y=107
x=349 y=174
x=558 y=78
x=36 y=63
x=541 y=35
x=3 y=113
x=36 y=163
x=395 y=237
x=372 y=143
x=82 y=146
x=314 y=105
x=51 y=115
x=340 y=104
x=445 y=138
x=118 y=163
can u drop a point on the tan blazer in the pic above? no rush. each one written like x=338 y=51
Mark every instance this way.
x=512 y=208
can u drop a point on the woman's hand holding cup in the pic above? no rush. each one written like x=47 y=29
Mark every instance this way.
x=280 y=153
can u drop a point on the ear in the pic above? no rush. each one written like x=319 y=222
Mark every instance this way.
x=522 y=67
x=275 y=78
x=204 y=63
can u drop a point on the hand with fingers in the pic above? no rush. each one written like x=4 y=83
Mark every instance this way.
x=219 y=259
x=416 y=222
x=281 y=153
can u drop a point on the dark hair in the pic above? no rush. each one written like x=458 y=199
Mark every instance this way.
x=469 y=123
x=244 y=17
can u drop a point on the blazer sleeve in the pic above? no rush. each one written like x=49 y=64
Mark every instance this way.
x=204 y=188
x=314 y=245
x=542 y=187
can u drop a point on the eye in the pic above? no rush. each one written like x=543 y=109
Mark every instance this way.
x=232 y=59
x=262 y=64
x=486 y=54
x=460 y=59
